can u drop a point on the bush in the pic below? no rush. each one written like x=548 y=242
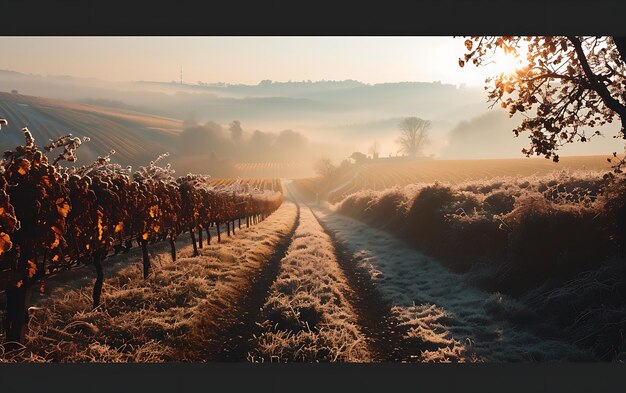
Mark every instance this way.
x=553 y=242
x=388 y=209
x=356 y=204
x=613 y=212
x=425 y=220
x=499 y=202
x=473 y=240
x=531 y=230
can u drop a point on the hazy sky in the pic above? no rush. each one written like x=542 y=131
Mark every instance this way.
x=242 y=59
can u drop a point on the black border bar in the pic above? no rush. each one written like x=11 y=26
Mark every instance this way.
x=315 y=378
x=312 y=17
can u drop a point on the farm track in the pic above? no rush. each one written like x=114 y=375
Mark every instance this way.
x=373 y=312
x=235 y=339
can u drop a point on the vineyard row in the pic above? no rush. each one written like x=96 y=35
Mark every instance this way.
x=54 y=216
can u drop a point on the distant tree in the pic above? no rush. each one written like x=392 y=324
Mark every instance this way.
x=358 y=157
x=324 y=168
x=236 y=132
x=198 y=139
x=374 y=150
x=261 y=140
x=566 y=87
x=414 y=135
x=289 y=139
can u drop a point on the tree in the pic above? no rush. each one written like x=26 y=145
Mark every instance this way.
x=236 y=132
x=375 y=150
x=197 y=139
x=290 y=140
x=414 y=135
x=324 y=168
x=566 y=88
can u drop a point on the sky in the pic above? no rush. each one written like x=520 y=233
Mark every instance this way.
x=246 y=60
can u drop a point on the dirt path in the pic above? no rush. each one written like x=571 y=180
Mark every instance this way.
x=373 y=312
x=308 y=315
x=296 y=323
x=236 y=337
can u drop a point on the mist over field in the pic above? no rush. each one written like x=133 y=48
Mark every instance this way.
x=296 y=121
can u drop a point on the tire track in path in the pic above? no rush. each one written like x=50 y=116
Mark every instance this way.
x=237 y=338
x=373 y=312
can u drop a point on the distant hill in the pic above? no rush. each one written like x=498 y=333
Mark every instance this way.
x=327 y=103
x=136 y=137
x=348 y=115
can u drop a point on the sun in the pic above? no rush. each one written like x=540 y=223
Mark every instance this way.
x=505 y=64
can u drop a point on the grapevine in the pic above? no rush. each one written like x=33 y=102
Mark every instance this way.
x=53 y=217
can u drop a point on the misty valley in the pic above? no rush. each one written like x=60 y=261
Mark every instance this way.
x=479 y=218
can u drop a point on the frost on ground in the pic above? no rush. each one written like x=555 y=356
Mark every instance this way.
x=307 y=315
x=177 y=314
x=442 y=316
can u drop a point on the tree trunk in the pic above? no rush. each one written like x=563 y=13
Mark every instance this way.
x=173 y=247
x=128 y=245
x=146 y=259
x=120 y=247
x=76 y=248
x=193 y=241
x=233 y=227
x=42 y=272
x=228 y=228
x=208 y=235
x=16 y=318
x=239 y=222
x=219 y=235
x=199 y=236
x=247 y=221
x=97 y=288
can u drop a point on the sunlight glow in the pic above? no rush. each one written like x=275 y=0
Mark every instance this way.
x=504 y=64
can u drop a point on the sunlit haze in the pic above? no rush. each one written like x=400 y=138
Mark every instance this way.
x=242 y=59
x=371 y=83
